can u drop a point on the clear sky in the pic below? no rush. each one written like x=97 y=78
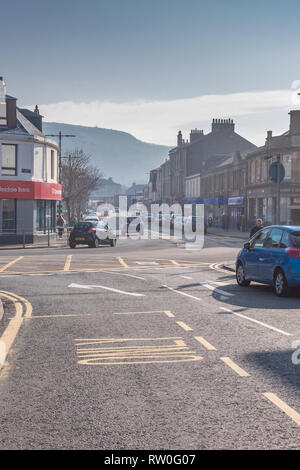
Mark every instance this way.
x=124 y=51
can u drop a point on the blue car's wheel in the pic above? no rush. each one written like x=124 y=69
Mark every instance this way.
x=240 y=276
x=280 y=285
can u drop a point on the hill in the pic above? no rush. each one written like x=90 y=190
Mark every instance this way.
x=117 y=154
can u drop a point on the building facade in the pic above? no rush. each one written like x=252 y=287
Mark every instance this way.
x=261 y=191
x=29 y=188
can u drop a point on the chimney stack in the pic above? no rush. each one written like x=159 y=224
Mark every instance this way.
x=294 y=122
x=179 y=139
x=222 y=125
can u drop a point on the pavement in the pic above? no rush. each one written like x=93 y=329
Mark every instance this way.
x=228 y=233
x=145 y=346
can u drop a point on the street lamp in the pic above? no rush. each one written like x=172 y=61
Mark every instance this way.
x=60 y=135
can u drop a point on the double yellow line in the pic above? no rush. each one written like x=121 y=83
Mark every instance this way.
x=23 y=310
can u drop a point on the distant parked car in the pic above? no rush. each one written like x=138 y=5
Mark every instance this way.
x=92 y=233
x=272 y=256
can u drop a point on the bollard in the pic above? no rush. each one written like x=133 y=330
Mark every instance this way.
x=23 y=238
x=48 y=237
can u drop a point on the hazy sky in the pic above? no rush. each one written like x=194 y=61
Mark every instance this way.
x=128 y=52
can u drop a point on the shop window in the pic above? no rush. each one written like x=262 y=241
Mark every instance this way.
x=9 y=160
x=9 y=215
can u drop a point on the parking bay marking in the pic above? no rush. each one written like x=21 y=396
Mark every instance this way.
x=82 y=286
x=173 y=349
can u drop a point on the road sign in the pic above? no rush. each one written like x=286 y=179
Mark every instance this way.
x=273 y=172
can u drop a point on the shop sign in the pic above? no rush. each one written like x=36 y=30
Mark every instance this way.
x=30 y=190
x=236 y=201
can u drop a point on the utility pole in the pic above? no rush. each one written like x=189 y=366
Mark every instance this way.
x=60 y=136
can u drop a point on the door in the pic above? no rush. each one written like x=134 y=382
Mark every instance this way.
x=255 y=254
x=271 y=256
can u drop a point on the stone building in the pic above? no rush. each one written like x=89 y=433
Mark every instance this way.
x=261 y=192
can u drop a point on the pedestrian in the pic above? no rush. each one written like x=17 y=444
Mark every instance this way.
x=73 y=222
x=60 y=225
x=256 y=228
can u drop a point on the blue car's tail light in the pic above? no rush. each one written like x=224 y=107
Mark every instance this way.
x=293 y=252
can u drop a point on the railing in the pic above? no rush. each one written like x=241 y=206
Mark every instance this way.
x=46 y=238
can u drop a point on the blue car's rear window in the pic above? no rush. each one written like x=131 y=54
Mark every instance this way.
x=295 y=238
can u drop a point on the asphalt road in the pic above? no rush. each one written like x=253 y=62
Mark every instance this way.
x=145 y=346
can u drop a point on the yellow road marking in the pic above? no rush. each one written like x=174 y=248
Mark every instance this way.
x=205 y=343
x=184 y=326
x=235 y=367
x=122 y=262
x=294 y=415
x=175 y=351
x=174 y=262
x=28 y=305
x=68 y=263
x=10 y=264
x=62 y=316
x=13 y=327
x=169 y=314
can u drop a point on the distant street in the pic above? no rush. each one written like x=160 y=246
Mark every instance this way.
x=145 y=346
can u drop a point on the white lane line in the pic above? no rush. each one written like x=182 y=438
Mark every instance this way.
x=123 y=274
x=294 y=415
x=231 y=311
x=215 y=289
x=256 y=321
x=181 y=293
x=186 y=277
x=81 y=286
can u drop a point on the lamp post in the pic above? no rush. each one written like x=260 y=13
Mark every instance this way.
x=60 y=136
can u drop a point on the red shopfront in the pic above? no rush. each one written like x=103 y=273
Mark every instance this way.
x=28 y=206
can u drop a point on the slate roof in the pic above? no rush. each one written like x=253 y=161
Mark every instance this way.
x=24 y=127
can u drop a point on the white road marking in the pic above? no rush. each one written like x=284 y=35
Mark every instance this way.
x=231 y=311
x=81 y=286
x=146 y=263
x=181 y=293
x=256 y=321
x=123 y=274
x=215 y=289
x=186 y=277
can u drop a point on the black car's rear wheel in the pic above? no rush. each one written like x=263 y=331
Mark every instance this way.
x=95 y=243
x=72 y=245
x=240 y=276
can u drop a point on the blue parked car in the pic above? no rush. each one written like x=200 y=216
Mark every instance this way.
x=272 y=256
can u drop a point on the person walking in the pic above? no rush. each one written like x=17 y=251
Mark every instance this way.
x=256 y=228
x=60 y=225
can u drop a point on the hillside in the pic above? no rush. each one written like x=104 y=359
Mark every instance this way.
x=117 y=154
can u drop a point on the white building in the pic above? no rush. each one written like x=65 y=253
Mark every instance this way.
x=29 y=188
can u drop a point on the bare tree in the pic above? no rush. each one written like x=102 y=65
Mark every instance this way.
x=79 y=179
